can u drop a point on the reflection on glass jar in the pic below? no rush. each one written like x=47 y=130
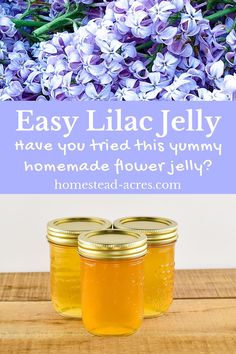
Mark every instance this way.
x=159 y=262
x=65 y=262
x=112 y=268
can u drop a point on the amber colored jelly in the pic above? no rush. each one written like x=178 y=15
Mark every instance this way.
x=159 y=279
x=112 y=296
x=62 y=235
x=112 y=281
x=159 y=261
x=65 y=280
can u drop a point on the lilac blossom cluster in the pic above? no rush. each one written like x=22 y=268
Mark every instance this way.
x=119 y=50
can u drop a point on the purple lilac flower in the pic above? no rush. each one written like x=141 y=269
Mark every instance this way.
x=98 y=93
x=165 y=64
x=164 y=34
x=190 y=20
x=123 y=50
x=99 y=55
x=230 y=83
x=161 y=11
x=215 y=70
x=152 y=87
x=7 y=27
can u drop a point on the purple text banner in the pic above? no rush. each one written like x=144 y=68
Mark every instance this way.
x=118 y=147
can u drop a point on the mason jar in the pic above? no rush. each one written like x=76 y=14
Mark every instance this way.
x=112 y=268
x=62 y=235
x=159 y=262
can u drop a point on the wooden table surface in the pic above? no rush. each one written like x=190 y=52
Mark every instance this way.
x=202 y=319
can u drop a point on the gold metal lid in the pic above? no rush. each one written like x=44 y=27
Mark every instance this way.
x=112 y=244
x=65 y=231
x=157 y=229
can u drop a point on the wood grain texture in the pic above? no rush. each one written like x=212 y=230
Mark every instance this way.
x=205 y=283
x=219 y=283
x=205 y=326
x=24 y=286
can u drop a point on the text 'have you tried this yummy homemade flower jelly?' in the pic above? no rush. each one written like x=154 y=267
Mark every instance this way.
x=159 y=262
x=112 y=270
x=65 y=262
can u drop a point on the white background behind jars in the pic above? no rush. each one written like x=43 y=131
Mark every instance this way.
x=207 y=225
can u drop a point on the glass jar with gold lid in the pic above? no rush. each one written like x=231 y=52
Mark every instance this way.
x=112 y=269
x=62 y=235
x=159 y=262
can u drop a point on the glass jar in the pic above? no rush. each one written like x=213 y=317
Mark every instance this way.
x=159 y=263
x=65 y=262
x=112 y=269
